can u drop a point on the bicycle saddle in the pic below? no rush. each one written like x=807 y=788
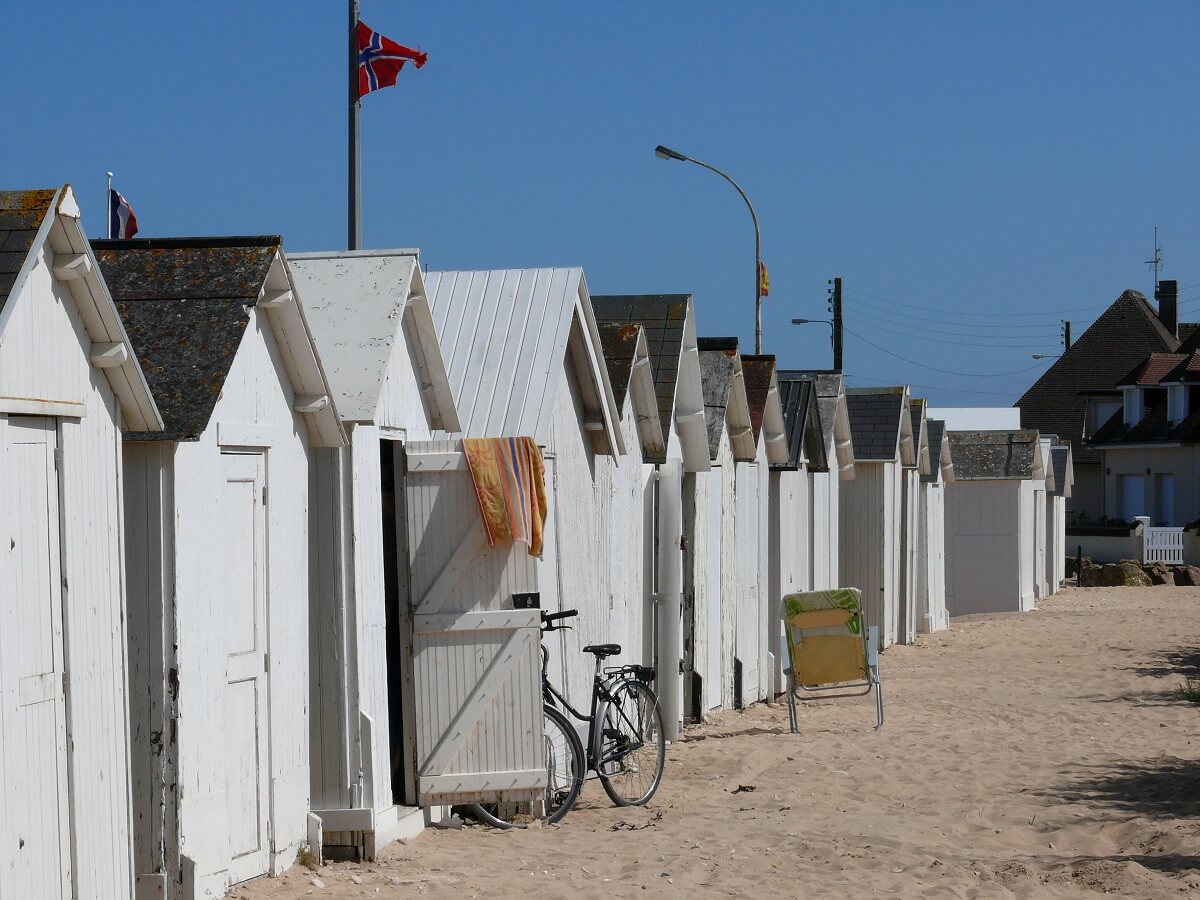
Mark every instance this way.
x=603 y=650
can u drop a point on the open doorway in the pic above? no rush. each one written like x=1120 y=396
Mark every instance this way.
x=399 y=635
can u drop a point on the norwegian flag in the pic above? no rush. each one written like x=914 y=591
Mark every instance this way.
x=122 y=223
x=380 y=60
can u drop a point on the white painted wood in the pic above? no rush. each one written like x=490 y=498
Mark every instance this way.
x=241 y=434
x=109 y=354
x=33 y=711
x=748 y=633
x=21 y=406
x=71 y=266
x=985 y=552
x=477 y=680
x=869 y=532
x=241 y=526
x=269 y=299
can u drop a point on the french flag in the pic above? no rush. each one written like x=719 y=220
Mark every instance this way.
x=122 y=223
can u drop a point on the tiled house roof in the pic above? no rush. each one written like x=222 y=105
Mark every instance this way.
x=1153 y=369
x=21 y=216
x=1120 y=339
x=875 y=421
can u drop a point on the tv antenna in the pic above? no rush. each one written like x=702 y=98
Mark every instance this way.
x=1155 y=262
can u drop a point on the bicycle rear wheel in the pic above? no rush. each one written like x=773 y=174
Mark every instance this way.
x=564 y=779
x=632 y=749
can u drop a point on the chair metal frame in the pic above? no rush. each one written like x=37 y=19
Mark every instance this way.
x=870 y=638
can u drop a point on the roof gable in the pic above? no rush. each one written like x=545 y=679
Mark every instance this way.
x=32 y=221
x=1120 y=339
x=802 y=421
x=766 y=410
x=877 y=417
x=627 y=359
x=186 y=303
x=941 y=460
x=920 y=433
x=996 y=455
x=725 y=403
x=505 y=335
x=359 y=303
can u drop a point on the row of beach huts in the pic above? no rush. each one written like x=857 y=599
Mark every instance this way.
x=251 y=606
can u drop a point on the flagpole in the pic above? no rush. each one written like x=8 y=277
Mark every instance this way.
x=354 y=188
x=108 y=206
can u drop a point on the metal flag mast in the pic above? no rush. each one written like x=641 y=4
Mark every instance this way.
x=108 y=206
x=354 y=187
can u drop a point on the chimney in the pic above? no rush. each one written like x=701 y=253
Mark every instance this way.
x=1168 y=305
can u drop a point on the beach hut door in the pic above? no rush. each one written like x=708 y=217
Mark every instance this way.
x=241 y=527
x=476 y=660
x=35 y=859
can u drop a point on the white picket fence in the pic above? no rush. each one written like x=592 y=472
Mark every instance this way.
x=1163 y=545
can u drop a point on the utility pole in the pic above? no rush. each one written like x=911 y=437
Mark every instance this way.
x=835 y=307
x=1155 y=262
x=1066 y=334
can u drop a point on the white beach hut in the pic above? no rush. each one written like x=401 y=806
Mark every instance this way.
x=671 y=478
x=375 y=335
x=1041 y=536
x=870 y=533
x=1056 y=516
x=730 y=443
x=524 y=357
x=217 y=522
x=912 y=563
x=839 y=453
x=931 y=591
x=989 y=521
x=759 y=626
x=791 y=544
x=69 y=384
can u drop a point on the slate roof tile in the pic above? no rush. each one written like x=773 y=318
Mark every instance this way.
x=990 y=455
x=21 y=215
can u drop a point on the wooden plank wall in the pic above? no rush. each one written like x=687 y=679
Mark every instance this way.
x=44 y=355
x=983 y=556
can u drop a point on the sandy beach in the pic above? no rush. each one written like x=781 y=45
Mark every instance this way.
x=1042 y=754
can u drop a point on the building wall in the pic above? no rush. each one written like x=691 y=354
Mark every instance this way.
x=911 y=597
x=790 y=548
x=983 y=547
x=1028 y=544
x=401 y=401
x=256 y=393
x=1087 y=501
x=826 y=521
x=933 y=552
x=1181 y=462
x=44 y=355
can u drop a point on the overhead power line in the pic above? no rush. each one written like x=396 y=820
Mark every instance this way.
x=995 y=342
x=932 y=387
x=956 y=312
x=990 y=323
x=913 y=362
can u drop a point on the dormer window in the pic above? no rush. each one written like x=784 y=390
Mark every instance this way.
x=1152 y=399
x=1193 y=400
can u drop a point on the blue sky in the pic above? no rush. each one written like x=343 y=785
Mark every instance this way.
x=975 y=174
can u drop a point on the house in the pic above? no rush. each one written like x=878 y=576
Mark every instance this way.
x=1150 y=447
x=69 y=385
x=871 y=527
x=930 y=612
x=912 y=564
x=790 y=542
x=760 y=617
x=1079 y=393
x=374 y=331
x=730 y=443
x=833 y=412
x=1056 y=516
x=990 y=525
x=524 y=358
x=669 y=324
x=217 y=519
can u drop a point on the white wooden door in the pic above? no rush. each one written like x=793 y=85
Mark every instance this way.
x=36 y=858
x=713 y=673
x=241 y=524
x=476 y=659
x=748 y=572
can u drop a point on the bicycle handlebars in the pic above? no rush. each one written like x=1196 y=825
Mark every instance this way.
x=548 y=619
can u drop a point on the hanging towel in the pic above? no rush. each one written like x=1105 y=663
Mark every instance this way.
x=510 y=483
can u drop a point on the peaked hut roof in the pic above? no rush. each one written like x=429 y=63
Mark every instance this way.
x=766 y=409
x=916 y=411
x=627 y=359
x=1120 y=339
x=881 y=424
x=996 y=455
x=725 y=403
x=802 y=421
x=505 y=335
x=1064 y=469
x=34 y=221
x=941 y=460
x=359 y=304
x=186 y=302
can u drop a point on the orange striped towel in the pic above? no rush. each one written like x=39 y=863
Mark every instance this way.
x=510 y=483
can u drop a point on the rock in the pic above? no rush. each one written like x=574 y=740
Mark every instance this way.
x=1090 y=575
x=1123 y=574
x=316 y=882
x=1159 y=573
x=1188 y=576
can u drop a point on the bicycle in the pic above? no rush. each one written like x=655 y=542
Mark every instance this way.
x=627 y=752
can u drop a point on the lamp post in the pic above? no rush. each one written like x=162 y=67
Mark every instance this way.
x=667 y=153
x=1046 y=355
x=832 y=330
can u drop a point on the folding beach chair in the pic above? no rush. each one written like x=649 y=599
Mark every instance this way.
x=832 y=651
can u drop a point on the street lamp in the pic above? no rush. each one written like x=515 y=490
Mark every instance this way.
x=667 y=153
x=1046 y=355
x=832 y=328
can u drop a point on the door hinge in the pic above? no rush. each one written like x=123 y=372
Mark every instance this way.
x=264 y=490
x=58 y=459
x=266 y=662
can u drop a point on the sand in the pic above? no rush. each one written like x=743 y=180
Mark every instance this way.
x=1042 y=754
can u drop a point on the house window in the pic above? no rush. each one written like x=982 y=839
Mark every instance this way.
x=1164 y=498
x=1193 y=400
x=1131 y=492
x=1152 y=399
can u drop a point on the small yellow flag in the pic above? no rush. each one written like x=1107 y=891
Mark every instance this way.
x=764 y=280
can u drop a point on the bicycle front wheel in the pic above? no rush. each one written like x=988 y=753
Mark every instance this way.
x=564 y=779
x=632 y=749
